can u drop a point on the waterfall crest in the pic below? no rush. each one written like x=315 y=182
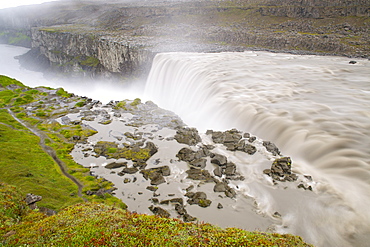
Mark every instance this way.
x=316 y=109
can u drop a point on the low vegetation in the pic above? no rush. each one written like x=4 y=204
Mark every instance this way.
x=93 y=224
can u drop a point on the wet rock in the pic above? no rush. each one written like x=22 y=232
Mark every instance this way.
x=199 y=198
x=159 y=211
x=180 y=209
x=152 y=188
x=277 y=215
x=281 y=170
x=352 y=62
x=302 y=186
x=186 y=154
x=199 y=174
x=131 y=170
x=218 y=159
x=270 y=147
x=230 y=193
x=177 y=200
x=157 y=179
x=217 y=171
x=188 y=218
x=199 y=163
x=187 y=136
x=114 y=165
x=156 y=174
x=152 y=148
x=230 y=169
x=220 y=187
x=219 y=206
x=127 y=180
x=217 y=136
x=252 y=139
x=189 y=188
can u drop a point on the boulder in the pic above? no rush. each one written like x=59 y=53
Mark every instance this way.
x=199 y=198
x=114 y=165
x=270 y=147
x=230 y=169
x=130 y=170
x=199 y=163
x=31 y=199
x=159 y=211
x=188 y=218
x=186 y=154
x=187 y=136
x=199 y=174
x=218 y=159
x=220 y=187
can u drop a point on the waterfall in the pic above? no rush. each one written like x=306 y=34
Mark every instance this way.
x=316 y=109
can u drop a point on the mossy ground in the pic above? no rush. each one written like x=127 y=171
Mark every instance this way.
x=93 y=224
x=25 y=164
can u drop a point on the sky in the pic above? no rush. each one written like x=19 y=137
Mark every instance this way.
x=14 y=3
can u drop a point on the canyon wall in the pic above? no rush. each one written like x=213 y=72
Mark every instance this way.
x=104 y=39
x=90 y=55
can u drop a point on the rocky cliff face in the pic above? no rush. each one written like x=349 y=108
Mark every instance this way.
x=120 y=39
x=90 y=55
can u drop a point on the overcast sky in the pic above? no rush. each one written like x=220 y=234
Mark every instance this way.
x=13 y=3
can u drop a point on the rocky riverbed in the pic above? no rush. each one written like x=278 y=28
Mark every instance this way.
x=161 y=166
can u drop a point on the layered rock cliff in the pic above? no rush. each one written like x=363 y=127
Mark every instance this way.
x=119 y=39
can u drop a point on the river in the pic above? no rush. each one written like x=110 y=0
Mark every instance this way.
x=315 y=108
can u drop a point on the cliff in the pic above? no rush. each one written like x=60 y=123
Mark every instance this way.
x=113 y=39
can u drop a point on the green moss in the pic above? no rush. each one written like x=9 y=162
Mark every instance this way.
x=61 y=92
x=103 y=148
x=121 y=105
x=80 y=103
x=90 y=61
x=136 y=102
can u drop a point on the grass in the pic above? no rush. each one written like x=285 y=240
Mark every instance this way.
x=25 y=164
x=93 y=224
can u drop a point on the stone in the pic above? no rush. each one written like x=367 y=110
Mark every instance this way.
x=199 y=174
x=218 y=159
x=219 y=206
x=217 y=171
x=230 y=169
x=220 y=187
x=159 y=211
x=180 y=209
x=218 y=136
x=270 y=147
x=152 y=188
x=187 y=136
x=199 y=163
x=230 y=193
x=127 y=180
x=186 y=154
x=114 y=165
x=130 y=170
x=152 y=148
x=159 y=179
x=32 y=199
x=188 y=218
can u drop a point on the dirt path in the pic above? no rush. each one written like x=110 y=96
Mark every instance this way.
x=52 y=153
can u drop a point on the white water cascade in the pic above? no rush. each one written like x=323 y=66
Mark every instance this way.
x=316 y=109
